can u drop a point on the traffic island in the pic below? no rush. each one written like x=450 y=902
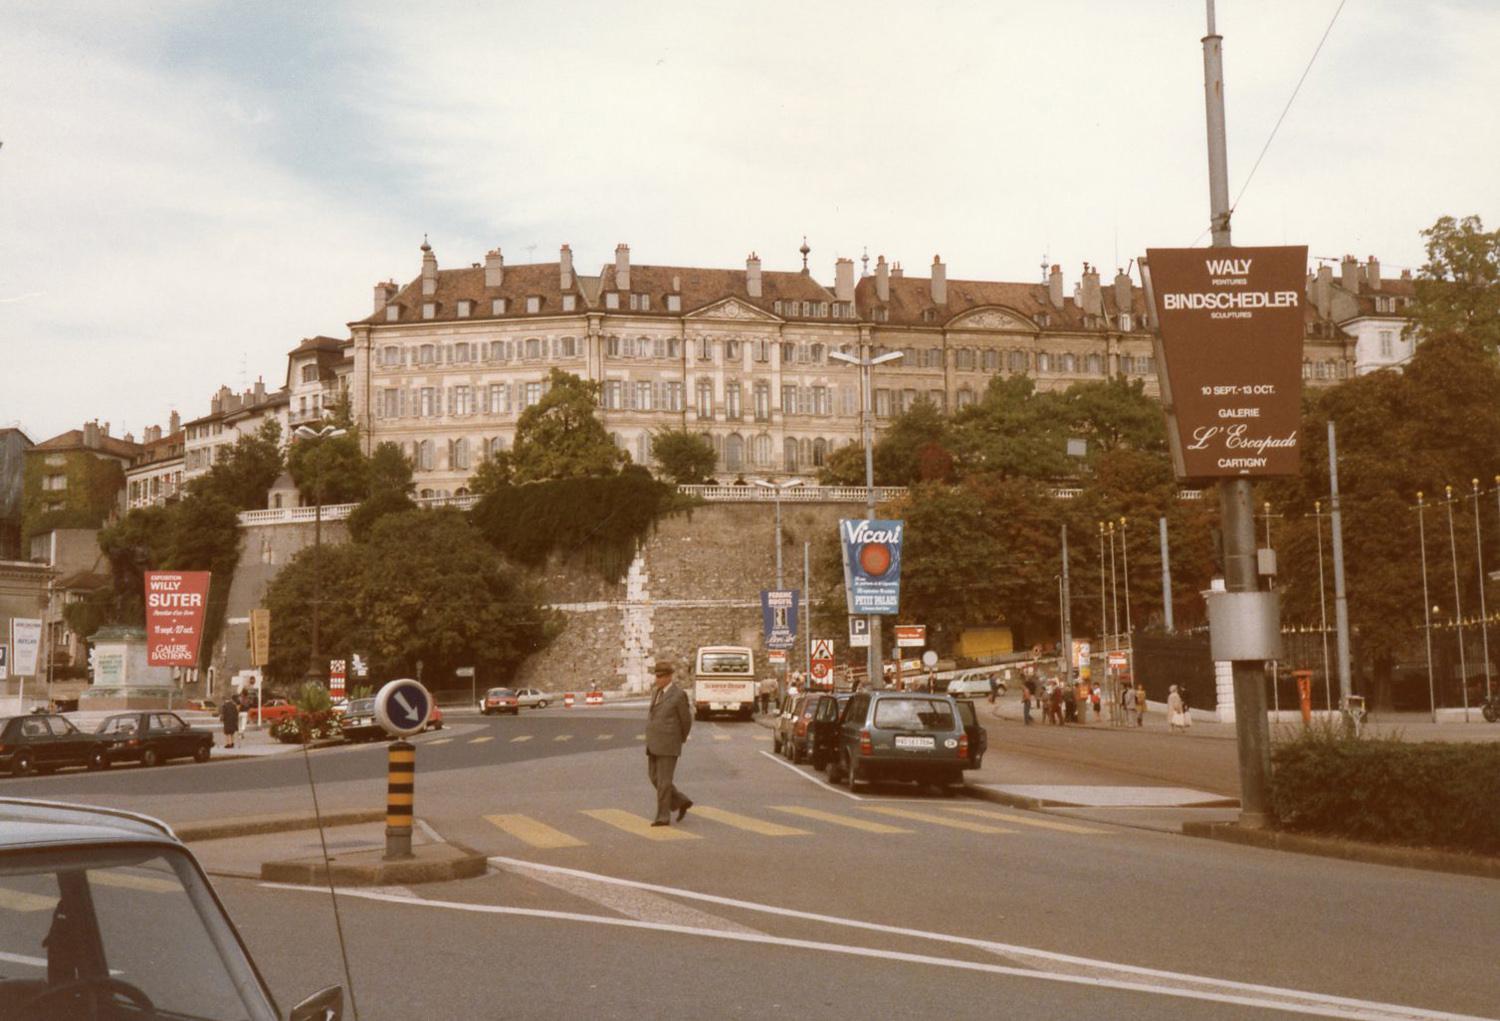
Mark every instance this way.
x=1349 y=850
x=437 y=862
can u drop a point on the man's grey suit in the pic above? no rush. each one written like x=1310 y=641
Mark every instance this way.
x=667 y=726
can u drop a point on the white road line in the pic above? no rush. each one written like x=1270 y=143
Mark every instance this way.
x=1008 y=949
x=810 y=779
x=1317 y=1004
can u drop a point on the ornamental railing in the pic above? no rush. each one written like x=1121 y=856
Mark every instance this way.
x=796 y=494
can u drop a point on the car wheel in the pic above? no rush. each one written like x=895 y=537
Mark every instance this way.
x=150 y=758
x=776 y=743
x=98 y=761
x=22 y=764
x=202 y=753
x=852 y=779
x=542 y=704
x=796 y=755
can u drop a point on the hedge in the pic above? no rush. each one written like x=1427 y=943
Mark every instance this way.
x=1385 y=790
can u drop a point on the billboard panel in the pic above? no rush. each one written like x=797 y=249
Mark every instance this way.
x=175 y=604
x=872 y=564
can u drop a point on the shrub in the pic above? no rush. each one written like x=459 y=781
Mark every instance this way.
x=1385 y=790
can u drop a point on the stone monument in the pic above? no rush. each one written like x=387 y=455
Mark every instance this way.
x=119 y=677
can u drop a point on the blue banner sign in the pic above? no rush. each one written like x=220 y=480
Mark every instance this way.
x=872 y=564
x=778 y=608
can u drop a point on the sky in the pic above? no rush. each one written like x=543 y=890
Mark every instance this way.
x=187 y=189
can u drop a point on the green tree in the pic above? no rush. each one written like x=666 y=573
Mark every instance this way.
x=495 y=472
x=1458 y=289
x=247 y=470
x=1115 y=414
x=390 y=492
x=561 y=437
x=687 y=458
x=1014 y=431
x=845 y=467
x=340 y=570
x=336 y=463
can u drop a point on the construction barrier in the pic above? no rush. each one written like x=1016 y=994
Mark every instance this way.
x=568 y=700
x=594 y=698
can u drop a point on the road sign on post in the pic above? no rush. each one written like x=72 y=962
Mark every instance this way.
x=260 y=636
x=779 y=610
x=821 y=663
x=402 y=707
x=336 y=677
x=859 y=633
x=911 y=636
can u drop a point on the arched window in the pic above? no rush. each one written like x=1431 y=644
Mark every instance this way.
x=789 y=454
x=1069 y=363
x=734 y=452
x=1016 y=361
x=1096 y=365
x=964 y=397
x=819 y=452
x=426 y=354
x=817 y=353
x=458 y=454
x=1043 y=362
x=495 y=446
x=533 y=347
x=424 y=455
x=761 y=451
x=461 y=491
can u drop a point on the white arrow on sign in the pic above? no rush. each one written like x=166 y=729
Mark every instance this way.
x=411 y=711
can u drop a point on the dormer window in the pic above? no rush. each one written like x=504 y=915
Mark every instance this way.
x=1125 y=324
x=464 y=308
x=570 y=302
x=429 y=310
x=929 y=315
x=533 y=304
x=392 y=313
x=640 y=302
x=497 y=307
x=674 y=303
x=1043 y=319
x=612 y=300
x=776 y=306
x=882 y=315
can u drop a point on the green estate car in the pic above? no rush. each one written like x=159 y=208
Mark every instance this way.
x=900 y=735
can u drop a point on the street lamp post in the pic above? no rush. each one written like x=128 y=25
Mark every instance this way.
x=778 y=488
x=328 y=432
x=867 y=363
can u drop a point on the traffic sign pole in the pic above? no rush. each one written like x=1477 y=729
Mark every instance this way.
x=400 y=798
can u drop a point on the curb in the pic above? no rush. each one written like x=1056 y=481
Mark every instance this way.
x=1348 y=850
x=430 y=863
x=1002 y=798
x=254 y=825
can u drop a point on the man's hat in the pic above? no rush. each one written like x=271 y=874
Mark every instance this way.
x=664 y=670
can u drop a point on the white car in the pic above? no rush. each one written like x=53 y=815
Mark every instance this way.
x=532 y=698
x=975 y=685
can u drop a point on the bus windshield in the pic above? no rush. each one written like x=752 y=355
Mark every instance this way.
x=725 y=662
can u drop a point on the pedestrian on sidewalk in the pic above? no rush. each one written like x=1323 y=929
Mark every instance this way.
x=1176 y=713
x=1127 y=702
x=1082 y=695
x=668 y=722
x=1055 y=704
x=1096 y=696
x=229 y=715
x=1140 y=703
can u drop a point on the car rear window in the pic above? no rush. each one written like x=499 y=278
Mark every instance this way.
x=966 y=712
x=913 y=714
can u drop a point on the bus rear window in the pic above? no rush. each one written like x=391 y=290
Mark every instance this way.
x=724 y=663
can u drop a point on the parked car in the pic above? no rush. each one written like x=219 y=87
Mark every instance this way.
x=271 y=710
x=532 y=698
x=152 y=737
x=976 y=685
x=979 y=738
x=500 y=700
x=900 y=735
x=435 y=721
x=814 y=733
x=130 y=927
x=42 y=742
x=358 y=721
x=794 y=739
x=791 y=709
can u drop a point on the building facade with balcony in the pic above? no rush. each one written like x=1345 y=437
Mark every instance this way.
x=446 y=363
x=230 y=416
x=155 y=477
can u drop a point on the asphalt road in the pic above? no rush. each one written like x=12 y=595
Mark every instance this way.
x=779 y=894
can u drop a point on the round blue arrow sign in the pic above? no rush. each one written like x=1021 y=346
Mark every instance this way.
x=402 y=707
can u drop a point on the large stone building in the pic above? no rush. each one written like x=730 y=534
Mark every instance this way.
x=13 y=446
x=446 y=363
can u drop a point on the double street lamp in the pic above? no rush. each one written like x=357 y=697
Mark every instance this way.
x=866 y=363
x=778 y=488
x=327 y=432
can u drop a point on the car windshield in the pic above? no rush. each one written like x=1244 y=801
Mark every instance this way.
x=913 y=714
x=727 y=662
x=362 y=706
x=70 y=933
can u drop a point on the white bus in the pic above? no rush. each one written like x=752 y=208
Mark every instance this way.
x=724 y=681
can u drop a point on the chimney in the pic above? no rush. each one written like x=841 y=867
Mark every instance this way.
x=91 y=434
x=843 y=279
x=174 y=424
x=105 y=429
x=494 y=268
x=260 y=390
x=1124 y=293
x=622 y=267
x=1406 y=274
x=565 y=268
x=897 y=273
x=1349 y=274
x=385 y=292
x=939 y=281
x=1323 y=291
x=882 y=280
x=1372 y=273
x=1055 y=286
x=1093 y=300
x=752 y=275
x=429 y=270
x=129 y=437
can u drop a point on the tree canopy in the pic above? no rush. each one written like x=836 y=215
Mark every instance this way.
x=245 y=471
x=687 y=458
x=561 y=437
x=391 y=486
x=1458 y=288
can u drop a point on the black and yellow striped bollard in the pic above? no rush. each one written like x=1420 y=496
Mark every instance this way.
x=400 y=794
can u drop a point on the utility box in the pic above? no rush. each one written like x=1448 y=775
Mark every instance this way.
x=1243 y=625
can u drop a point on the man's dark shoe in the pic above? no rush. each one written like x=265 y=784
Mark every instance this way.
x=683 y=810
x=662 y=822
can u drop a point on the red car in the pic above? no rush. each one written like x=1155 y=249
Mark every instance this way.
x=500 y=700
x=435 y=721
x=273 y=710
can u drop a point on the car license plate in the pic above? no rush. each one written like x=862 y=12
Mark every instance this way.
x=915 y=742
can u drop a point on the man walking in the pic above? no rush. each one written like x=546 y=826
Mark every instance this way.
x=667 y=726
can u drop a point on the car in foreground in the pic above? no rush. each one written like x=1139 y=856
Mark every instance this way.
x=117 y=920
x=979 y=738
x=500 y=700
x=151 y=738
x=42 y=742
x=900 y=735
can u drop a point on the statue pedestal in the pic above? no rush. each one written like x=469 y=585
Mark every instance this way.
x=119 y=677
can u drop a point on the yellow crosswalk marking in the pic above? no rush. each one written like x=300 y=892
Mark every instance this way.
x=520 y=737
x=637 y=825
x=839 y=820
x=16 y=900
x=936 y=820
x=480 y=740
x=535 y=833
x=603 y=737
x=441 y=740
x=640 y=737
x=745 y=822
x=721 y=737
x=563 y=737
x=1046 y=824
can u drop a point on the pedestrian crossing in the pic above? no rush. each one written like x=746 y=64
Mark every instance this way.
x=880 y=819
x=735 y=736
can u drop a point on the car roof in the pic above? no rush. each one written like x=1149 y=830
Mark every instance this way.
x=26 y=823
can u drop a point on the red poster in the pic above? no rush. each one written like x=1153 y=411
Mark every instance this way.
x=175 y=601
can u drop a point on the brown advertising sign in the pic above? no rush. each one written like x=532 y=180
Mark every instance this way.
x=1230 y=358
